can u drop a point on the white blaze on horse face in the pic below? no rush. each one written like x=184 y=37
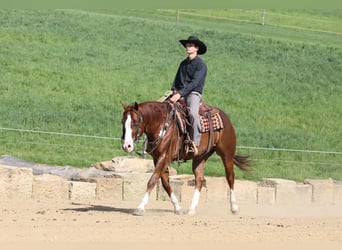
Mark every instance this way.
x=128 y=144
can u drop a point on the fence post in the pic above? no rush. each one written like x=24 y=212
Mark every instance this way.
x=263 y=17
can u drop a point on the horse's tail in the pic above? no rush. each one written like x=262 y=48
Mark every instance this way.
x=243 y=162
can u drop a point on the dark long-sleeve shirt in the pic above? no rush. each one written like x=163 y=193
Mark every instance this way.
x=190 y=76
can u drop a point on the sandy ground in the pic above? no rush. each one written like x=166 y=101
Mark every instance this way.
x=27 y=224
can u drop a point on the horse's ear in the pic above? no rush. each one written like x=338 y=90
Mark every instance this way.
x=136 y=106
x=123 y=105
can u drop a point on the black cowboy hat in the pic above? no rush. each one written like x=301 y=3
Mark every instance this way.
x=202 y=48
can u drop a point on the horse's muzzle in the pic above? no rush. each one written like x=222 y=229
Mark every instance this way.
x=128 y=147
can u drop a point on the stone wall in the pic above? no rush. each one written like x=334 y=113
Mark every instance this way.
x=20 y=182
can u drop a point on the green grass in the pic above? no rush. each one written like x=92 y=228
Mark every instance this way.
x=68 y=71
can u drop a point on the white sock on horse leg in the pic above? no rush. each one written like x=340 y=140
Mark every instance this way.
x=195 y=199
x=233 y=204
x=174 y=201
x=144 y=201
x=232 y=196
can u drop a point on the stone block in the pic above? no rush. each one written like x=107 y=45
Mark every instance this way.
x=134 y=186
x=265 y=195
x=176 y=186
x=285 y=190
x=50 y=187
x=109 y=188
x=322 y=191
x=304 y=194
x=217 y=189
x=187 y=187
x=15 y=182
x=245 y=192
x=338 y=192
x=81 y=191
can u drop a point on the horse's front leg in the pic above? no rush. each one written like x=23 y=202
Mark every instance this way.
x=160 y=163
x=140 y=210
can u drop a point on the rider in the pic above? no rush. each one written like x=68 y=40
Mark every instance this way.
x=189 y=83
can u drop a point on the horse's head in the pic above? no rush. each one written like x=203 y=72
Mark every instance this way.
x=132 y=122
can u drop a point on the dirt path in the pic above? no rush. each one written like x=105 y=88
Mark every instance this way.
x=48 y=221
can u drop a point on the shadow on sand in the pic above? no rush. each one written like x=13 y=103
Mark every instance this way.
x=100 y=208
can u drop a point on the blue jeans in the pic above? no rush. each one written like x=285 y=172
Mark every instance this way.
x=193 y=101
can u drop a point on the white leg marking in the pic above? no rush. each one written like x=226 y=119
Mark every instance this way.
x=144 y=202
x=194 y=202
x=232 y=196
x=175 y=203
x=128 y=143
x=234 y=206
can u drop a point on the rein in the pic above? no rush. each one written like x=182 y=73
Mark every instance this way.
x=154 y=144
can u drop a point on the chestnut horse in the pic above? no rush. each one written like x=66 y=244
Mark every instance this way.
x=165 y=142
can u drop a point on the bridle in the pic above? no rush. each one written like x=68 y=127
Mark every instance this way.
x=154 y=144
x=137 y=125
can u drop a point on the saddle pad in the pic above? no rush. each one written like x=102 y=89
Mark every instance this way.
x=216 y=120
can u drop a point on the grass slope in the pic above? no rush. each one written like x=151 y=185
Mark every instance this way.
x=68 y=71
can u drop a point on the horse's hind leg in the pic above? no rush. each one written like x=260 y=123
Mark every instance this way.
x=198 y=170
x=230 y=176
x=167 y=187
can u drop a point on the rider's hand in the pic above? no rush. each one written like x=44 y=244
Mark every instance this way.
x=175 y=98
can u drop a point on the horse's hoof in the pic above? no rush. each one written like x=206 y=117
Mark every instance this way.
x=139 y=212
x=179 y=211
x=191 y=212
x=235 y=208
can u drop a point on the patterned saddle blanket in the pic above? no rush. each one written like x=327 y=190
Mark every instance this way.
x=209 y=116
x=216 y=122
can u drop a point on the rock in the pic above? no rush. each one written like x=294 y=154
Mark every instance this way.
x=66 y=172
x=132 y=164
x=104 y=165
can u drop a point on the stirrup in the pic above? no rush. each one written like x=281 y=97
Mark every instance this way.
x=193 y=148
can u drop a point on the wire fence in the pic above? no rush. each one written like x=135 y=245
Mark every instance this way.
x=249 y=148
x=269 y=18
